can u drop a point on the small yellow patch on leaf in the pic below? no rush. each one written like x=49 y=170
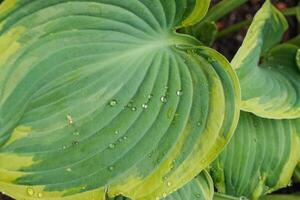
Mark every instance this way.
x=18 y=133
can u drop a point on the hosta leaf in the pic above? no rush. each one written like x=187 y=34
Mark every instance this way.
x=223 y=8
x=200 y=188
x=102 y=97
x=270 y=89
x=205 y=32
x=260 y=158
x=219 y=196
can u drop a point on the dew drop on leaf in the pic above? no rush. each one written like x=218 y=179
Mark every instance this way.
x=169 y=184
x=125 y=137
x=40 y=195
x=150 y=96
x=30 y=191
x=145 y=106
x=117 y=132
x=164 y=195
x=70 y=119
x=179 y=92
x=111 y=168
x=76 y=133
x=170 y=113
x=163 y=99
x=113 y=103
x=111 y=146
x=133 y=109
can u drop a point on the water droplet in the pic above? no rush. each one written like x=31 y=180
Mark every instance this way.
x=169 y=184
x=145 y=106
x=179 y=92
x=120 y=139
x=150 y=96
x=30 y=191
x=204 y=161
x=211 y=60
x=117 y=132
x=76 y=133
x=163 y=99
x=243 y=198
x=64 y=147
x=40 y=195
x=164 y=195
x=165 y=178
x=111 y=168
x=68 y=169
x=199 y=123
x=290 y=184
x=125 y=137
x=113 y=103
x=171 y=167
x=70 y=119
x=111 y=146
x=75 y=142
x=133 y=109
x=170 y=113
x=150 y=155
x=198 y=196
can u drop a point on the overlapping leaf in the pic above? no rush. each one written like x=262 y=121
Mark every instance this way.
x=200 y=188
x=259 y=159
x=270 y=88
x=102 y=97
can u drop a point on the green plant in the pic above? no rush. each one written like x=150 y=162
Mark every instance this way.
x=118 y=99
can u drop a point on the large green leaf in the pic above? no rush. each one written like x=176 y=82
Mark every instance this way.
x=205 y=32
x=270 y=88
x=200 y=188
x=102 y=97
x=260 y=158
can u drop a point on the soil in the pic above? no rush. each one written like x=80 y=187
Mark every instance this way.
x=229 y=45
